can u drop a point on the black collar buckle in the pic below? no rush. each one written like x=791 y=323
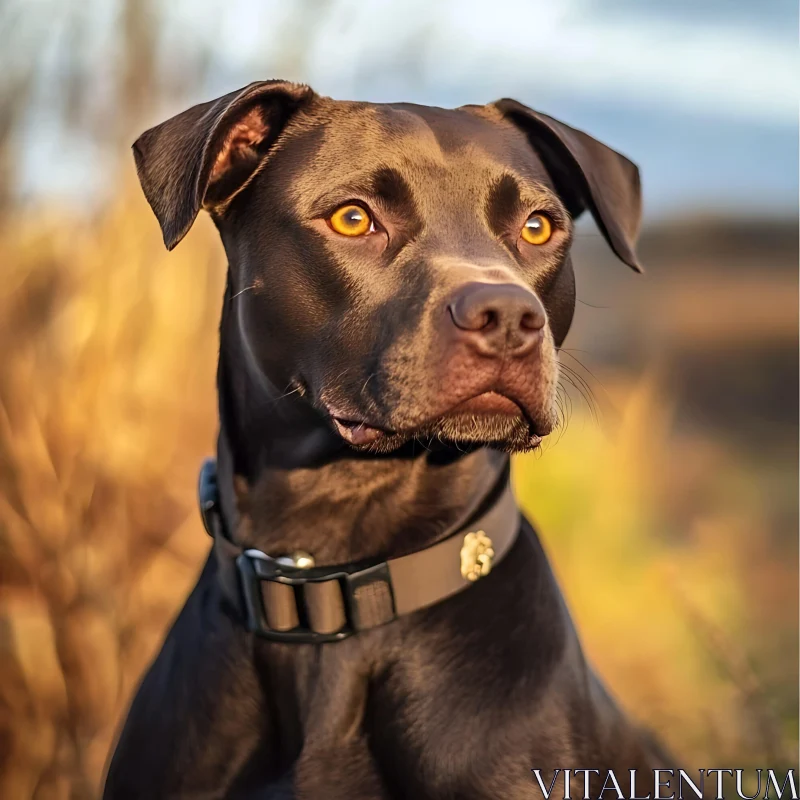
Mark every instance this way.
x=268 y=588
x=253 y=571
x=257 y=570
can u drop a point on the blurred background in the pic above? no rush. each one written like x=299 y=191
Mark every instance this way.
x=669 y=502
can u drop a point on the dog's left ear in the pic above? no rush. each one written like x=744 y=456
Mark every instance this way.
x=204 y=156
x=587 y=174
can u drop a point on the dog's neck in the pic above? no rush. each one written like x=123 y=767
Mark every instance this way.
x=288 y=482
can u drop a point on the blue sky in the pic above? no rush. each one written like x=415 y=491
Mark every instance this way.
x=702 y=95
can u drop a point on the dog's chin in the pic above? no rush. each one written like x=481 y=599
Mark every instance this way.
x=488 y=423
x=513 y=434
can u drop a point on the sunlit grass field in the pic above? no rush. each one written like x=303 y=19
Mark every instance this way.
x=664 y=540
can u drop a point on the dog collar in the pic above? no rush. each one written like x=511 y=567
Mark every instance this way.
x=289 y=600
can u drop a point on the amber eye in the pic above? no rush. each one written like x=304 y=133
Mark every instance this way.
x=537 y=229
x=351 y=220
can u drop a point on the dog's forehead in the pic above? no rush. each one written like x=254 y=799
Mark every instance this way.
x=438 y=132
x=421 y=141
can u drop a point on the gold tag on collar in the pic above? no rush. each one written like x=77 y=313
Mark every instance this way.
x=476 y=556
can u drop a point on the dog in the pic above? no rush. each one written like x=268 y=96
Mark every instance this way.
x=375 y=619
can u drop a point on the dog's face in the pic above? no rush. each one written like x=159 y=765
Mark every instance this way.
x=405 y=268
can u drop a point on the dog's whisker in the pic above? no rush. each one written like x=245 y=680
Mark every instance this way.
x=286 y=394
x=564 y=404
x=583 y=366
x=583 y=390
x=364 y=386
x=586 y=394
x=588 y=389
x=580 y=378
x=246 y=289
x=420 y=442
x=574 y=380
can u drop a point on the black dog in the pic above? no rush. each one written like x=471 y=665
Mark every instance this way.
x=399 y=282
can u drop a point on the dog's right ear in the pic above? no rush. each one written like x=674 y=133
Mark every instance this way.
x=204 y=156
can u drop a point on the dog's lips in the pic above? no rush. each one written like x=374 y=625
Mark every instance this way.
x=487 y=403
x=356 y=432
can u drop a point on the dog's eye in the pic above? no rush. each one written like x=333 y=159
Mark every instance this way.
x=537 y=229
x=351 y=220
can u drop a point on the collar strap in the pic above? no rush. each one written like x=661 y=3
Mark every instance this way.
x=292 y=603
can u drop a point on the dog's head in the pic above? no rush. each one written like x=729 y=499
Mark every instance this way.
x=405 y=268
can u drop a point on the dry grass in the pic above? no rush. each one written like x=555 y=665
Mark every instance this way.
x=106 y=408
x=684 y=595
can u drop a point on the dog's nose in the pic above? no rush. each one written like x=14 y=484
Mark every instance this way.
x=498 y=318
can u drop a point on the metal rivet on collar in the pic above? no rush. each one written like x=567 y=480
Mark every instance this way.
x=300 y=559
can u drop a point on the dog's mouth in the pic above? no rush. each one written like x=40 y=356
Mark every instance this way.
x=488 y=418
x=358 y=432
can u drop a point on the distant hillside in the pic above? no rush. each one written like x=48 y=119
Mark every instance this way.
x=717 y=309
